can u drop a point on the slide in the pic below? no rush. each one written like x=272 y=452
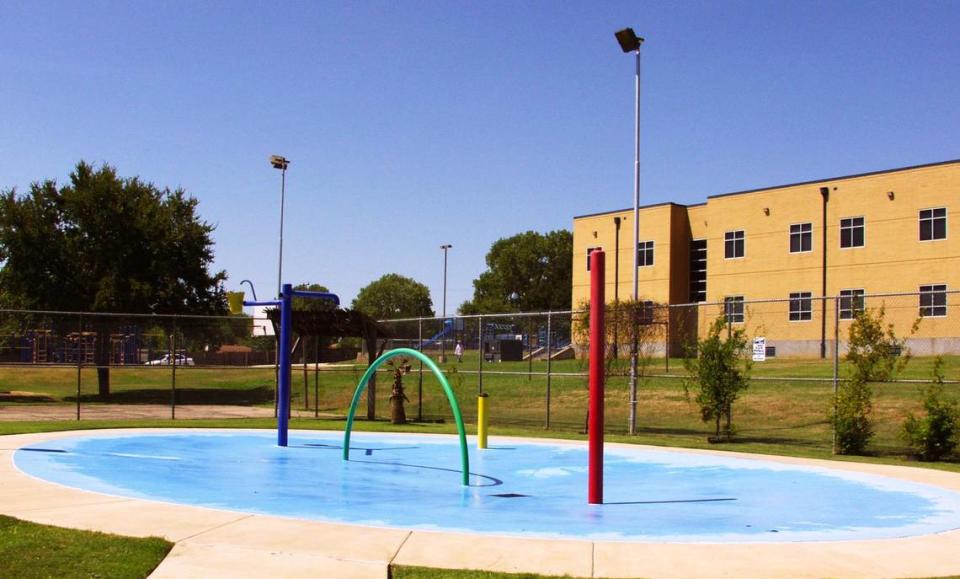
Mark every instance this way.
x=448 y=329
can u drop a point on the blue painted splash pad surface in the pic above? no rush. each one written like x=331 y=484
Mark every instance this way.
x=523 y=488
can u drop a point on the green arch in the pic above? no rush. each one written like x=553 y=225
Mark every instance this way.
x=464 y=459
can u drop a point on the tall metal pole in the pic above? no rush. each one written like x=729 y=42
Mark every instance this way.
x=636 y=258
x=443 y=327
x=283 y=193
x=616 y=286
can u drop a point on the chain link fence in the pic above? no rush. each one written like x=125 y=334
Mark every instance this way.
x=63 y=366
x=532 y=366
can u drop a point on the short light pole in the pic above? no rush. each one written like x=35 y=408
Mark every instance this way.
x=630 y=42
x=279 y=162
x=443 y=357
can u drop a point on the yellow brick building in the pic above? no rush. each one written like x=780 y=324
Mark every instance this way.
x=875 y=233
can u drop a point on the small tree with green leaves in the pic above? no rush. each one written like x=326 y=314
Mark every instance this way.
x=876 y=355
x=935 y=435
x=718 y=372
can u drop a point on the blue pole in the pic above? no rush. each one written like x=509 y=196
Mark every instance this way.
x=285 y=303
x=283 y=408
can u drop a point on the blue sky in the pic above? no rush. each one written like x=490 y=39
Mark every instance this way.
x=413 y=124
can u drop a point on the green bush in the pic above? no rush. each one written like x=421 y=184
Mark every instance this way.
x=935 y=435
x=877 y=355
x=853 y=405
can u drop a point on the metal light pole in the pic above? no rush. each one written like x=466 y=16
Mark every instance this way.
x=443 y=357
x=279 y=162
x=630 y=42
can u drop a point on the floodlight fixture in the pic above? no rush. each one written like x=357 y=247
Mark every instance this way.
x=279 y=162
x=628 y=39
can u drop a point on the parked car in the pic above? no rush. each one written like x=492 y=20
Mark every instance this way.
x=165 y=360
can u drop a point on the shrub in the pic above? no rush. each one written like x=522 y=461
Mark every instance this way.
x=877 y=354
x=853 y=405
x=718 y=373
x=935 y=435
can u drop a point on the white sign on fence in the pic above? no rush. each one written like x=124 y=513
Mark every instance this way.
x=759 y=349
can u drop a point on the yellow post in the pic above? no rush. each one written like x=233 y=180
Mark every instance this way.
x=482 y=421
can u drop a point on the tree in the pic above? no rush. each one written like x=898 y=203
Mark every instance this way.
x=394 y=296
x=309 y=304
x=876 y=355
x=718 y=373
x=104 y=243
x=527 y=272
x=391 y=296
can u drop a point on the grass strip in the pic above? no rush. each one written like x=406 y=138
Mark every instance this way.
x=29 y=550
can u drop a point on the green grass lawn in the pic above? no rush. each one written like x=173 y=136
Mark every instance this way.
x=776 y=415
x=29 y=550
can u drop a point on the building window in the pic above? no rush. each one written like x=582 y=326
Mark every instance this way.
x=733 y=309
x=589 y=251
x=644 y=253
x=933 y=224
x=933 y=300
x=851 y=232
x=801 y=306
x=801 y=237
x=698 y=270
x=851 y=303
x=733 y=244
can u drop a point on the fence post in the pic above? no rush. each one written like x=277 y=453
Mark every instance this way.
x=173 y=372
x=420 y=376
x=316 y=378
x=530 y=327
x=836 y=365
x=79 y=356
x=276 y=373
x=666 y=348
x=549 y=362
x=306 y=376
x=483 y=353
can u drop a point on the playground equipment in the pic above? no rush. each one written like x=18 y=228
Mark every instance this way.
x=450 y=326
x=597 y=342
x=283 y=388
x=285 y=303
x=464 y=458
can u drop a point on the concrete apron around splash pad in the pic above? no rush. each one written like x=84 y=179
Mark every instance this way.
x=213 y=543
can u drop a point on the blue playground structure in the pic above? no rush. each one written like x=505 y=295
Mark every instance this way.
x=285 y=303
x=449 y=328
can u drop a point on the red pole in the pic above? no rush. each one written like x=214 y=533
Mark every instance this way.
x=597 y=343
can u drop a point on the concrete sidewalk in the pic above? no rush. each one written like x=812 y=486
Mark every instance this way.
x=216 y=543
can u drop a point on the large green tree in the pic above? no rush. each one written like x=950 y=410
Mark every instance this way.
x=105 y=243
x=527 y=272
x=394 y=296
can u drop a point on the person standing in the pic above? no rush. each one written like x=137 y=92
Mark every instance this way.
x=458 y=352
